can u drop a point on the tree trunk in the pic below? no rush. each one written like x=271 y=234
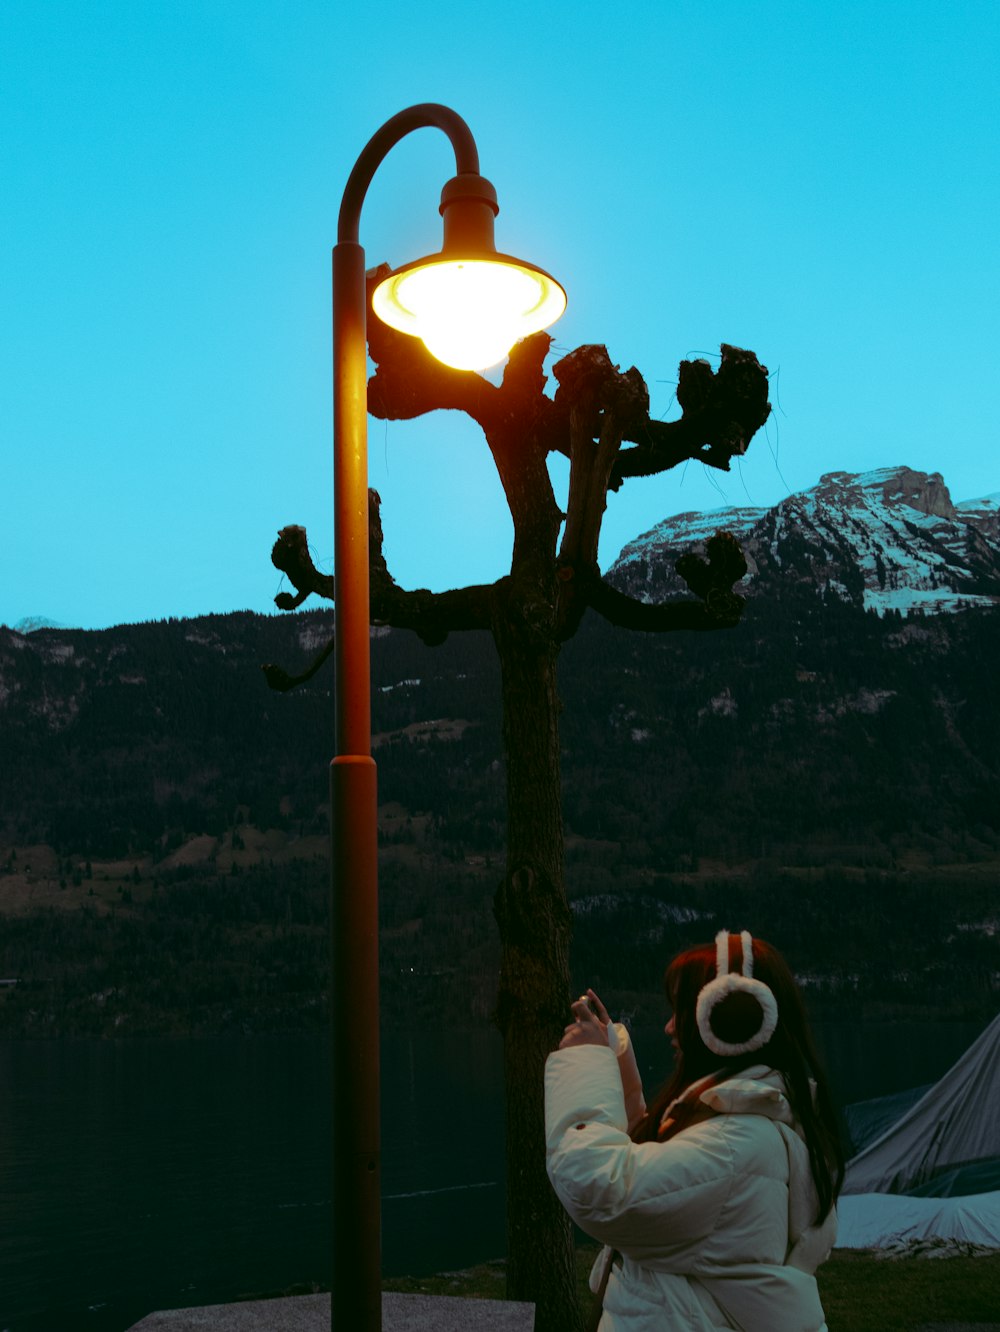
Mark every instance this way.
x=531 y=611
x=532 y=1008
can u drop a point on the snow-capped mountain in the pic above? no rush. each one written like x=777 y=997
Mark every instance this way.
x=890 y=539
x=32 y=623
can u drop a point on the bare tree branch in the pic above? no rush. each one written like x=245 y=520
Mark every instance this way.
x=712 y=580
x=279 y=679
x=721 y=413
x=726 y=565
x=431 y=615
x=627 y=613
x=290 y=555
x=602 y=405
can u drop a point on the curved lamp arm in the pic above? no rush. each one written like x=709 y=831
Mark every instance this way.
x=423 y=116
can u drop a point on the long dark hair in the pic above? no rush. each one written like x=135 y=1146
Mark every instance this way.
x=790 y=1050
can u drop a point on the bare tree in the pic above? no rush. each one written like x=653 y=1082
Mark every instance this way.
x=599 y=419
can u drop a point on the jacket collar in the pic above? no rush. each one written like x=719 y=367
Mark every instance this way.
x=757 y=1090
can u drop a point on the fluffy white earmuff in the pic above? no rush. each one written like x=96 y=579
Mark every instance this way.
x=726 y=983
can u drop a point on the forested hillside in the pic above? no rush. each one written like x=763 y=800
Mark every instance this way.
x=829 y=778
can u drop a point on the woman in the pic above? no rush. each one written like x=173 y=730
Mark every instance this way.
x=716 y=1202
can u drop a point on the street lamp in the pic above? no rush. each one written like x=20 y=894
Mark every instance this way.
x=469 y=304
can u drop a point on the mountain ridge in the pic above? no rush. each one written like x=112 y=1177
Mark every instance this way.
x=890 y=538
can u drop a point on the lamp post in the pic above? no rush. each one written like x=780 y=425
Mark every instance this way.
x=469 y=304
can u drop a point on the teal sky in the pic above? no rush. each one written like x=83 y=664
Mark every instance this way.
x=817 y=182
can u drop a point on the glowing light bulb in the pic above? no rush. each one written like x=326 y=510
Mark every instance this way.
x=469 y=349
x=469 y=312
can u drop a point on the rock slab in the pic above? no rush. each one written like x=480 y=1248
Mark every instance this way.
x=311 y=1313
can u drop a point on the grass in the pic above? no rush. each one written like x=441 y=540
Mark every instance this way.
x=859 y=1292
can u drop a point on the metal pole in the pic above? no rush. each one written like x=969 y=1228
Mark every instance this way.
x=356 y=1290
x=356 y=1299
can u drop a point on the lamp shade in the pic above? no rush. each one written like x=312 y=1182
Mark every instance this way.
x=469 y=312
x=467 y=303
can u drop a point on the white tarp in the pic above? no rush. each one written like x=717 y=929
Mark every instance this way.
x=955 y=1123
x=878 y=1220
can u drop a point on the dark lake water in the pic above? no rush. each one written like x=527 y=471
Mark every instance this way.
x=142 y=1175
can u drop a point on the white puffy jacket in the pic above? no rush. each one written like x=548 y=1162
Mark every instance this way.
x=714 y=1226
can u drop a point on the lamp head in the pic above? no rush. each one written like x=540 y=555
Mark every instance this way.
x=468 y=303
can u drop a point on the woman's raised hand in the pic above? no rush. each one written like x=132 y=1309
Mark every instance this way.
x=589 y=1027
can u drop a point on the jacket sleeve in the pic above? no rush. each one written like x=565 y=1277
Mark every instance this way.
x=635 y=1102
x=624 y=1193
